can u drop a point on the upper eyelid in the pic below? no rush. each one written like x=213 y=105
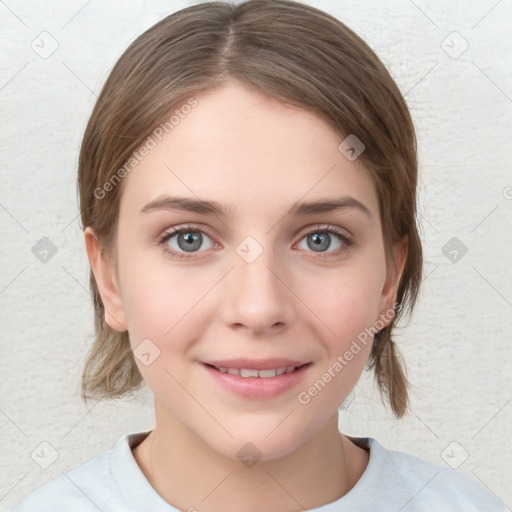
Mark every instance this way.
x=323 y=227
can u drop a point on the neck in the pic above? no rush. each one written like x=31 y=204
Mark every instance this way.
x=190 y=475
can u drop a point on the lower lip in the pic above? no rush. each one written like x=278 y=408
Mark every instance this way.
x=256 y=387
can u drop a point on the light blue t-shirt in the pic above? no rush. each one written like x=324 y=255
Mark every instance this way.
x=393 y=481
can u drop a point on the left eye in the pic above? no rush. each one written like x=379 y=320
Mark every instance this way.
x=320 y=240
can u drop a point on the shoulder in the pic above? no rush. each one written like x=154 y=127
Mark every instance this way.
x=82 y=489
x=90 y=487
x=416 y=484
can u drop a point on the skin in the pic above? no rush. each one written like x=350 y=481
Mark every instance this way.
x=249 y=152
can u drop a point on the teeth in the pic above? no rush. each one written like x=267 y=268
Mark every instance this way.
x=262 y=374
x=248 y=373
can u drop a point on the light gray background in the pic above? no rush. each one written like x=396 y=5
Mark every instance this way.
x=457 y=347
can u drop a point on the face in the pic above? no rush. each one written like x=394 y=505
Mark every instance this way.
x=261 y=284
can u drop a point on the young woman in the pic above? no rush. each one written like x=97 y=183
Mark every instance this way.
x=248 y=195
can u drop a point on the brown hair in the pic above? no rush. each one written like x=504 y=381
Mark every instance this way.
x=294 y=53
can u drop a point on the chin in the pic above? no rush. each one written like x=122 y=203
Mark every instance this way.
x=265 y=441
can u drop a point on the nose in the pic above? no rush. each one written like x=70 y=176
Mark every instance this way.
x=258 y=296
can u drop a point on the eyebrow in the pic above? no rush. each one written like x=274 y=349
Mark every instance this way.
x=299 y=209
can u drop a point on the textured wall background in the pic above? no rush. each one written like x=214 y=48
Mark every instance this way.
x=452 y=62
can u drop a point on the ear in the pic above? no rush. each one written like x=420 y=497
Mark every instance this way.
x=107 y=282
x=394 y=272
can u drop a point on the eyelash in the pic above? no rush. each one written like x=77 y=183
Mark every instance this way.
x=347 y=241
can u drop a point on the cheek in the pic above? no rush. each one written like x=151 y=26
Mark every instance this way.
x=349 y=308
x=160 y=298
x=349 y=301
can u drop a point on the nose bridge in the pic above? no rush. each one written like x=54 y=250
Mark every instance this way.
x=258 y=297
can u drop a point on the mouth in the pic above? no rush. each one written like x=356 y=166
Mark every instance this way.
x=259 y=374
x=257 y=380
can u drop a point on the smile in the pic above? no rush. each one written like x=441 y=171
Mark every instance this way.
x=253 y=373
x=257 y=380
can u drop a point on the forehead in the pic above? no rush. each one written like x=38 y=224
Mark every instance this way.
x=249 y=152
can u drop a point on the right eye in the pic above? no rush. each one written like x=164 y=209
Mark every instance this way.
x=187 y=239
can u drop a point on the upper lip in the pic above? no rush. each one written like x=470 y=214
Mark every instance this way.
x=255 y=364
